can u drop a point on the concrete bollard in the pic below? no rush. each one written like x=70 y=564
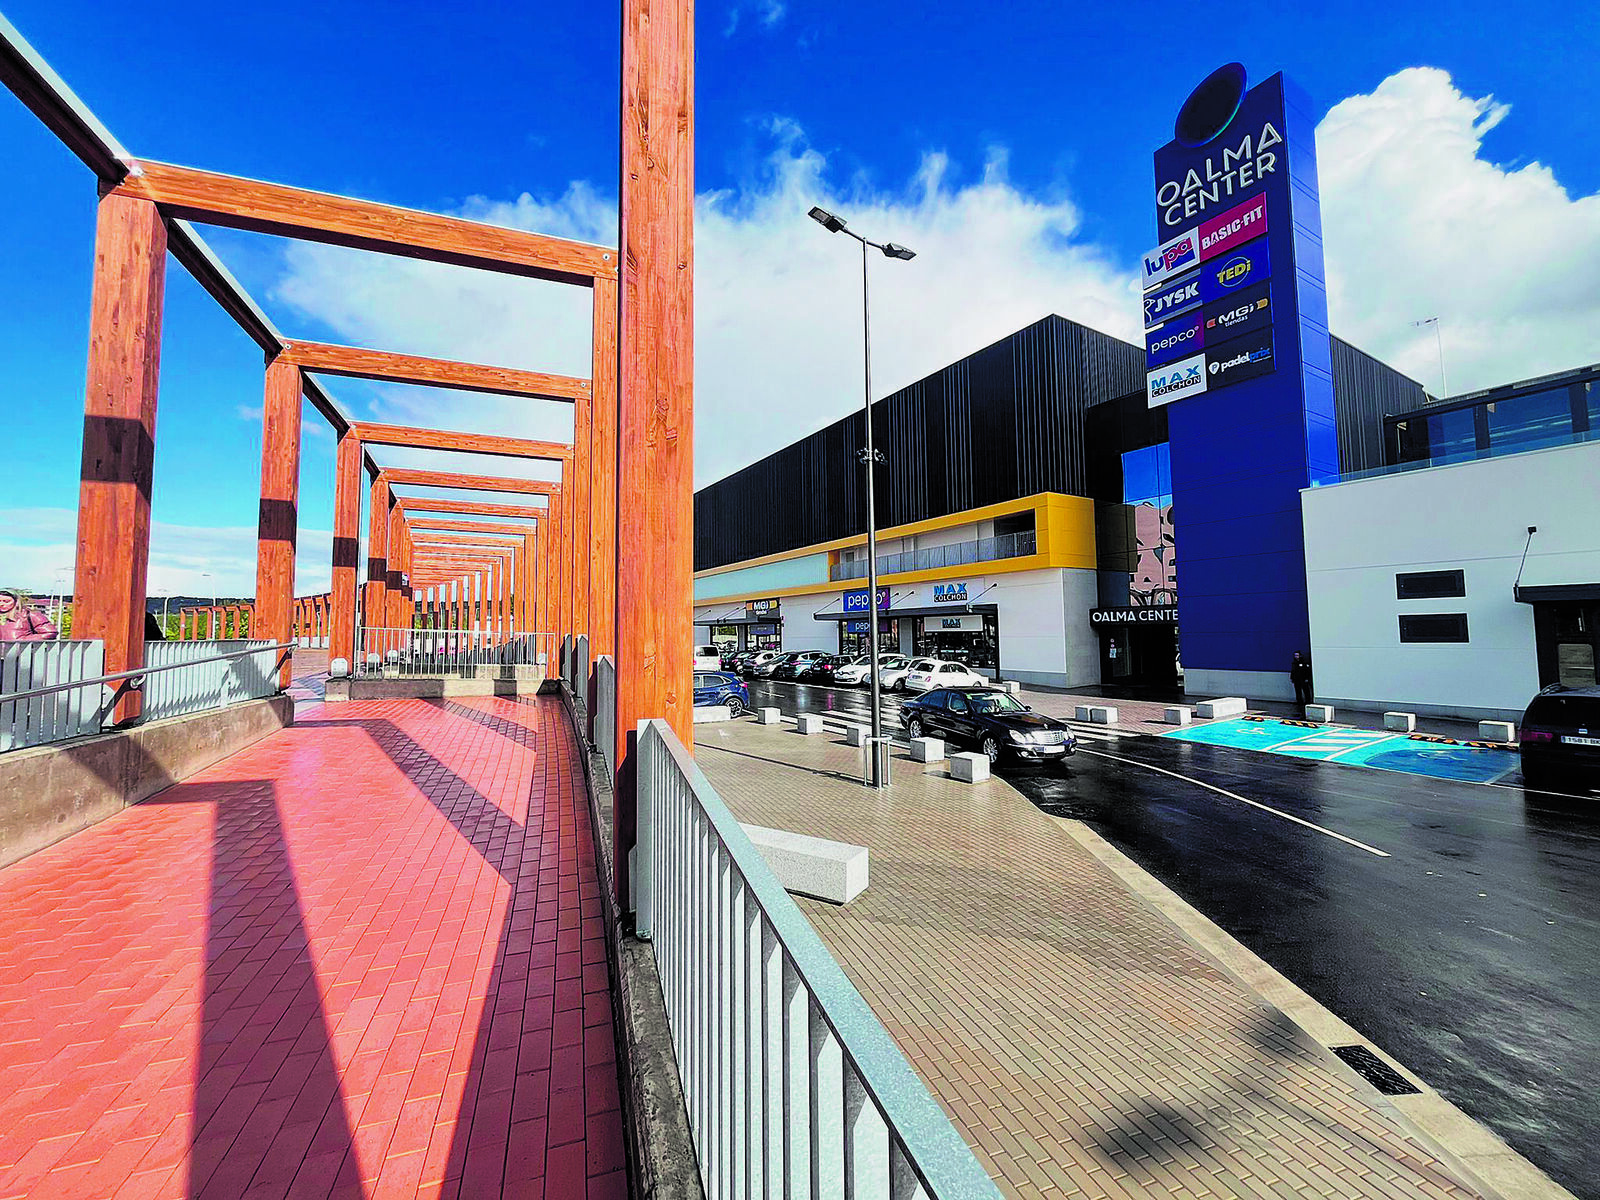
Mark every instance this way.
x=969 y=768
x=1013 y=688
x=1497 y=731
x=1223 y=706
x=1178 y=714
x=927 y=750
x=339 y=668
x=1400 y=722
x=857 y=735
x=768 y=716
x=1322 y=714
x=1081 y=713
x=809 y=723
x=1102 y=714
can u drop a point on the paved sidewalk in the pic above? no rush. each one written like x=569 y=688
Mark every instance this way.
x=363 y=957
x=1082 y=1046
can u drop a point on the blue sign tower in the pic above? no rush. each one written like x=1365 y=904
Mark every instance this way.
x=1236 y=317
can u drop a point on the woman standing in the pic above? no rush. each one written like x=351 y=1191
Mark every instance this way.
x=20 y=622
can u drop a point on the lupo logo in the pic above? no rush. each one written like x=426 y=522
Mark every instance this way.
x=1171 y=258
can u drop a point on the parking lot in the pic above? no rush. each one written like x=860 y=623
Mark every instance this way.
x=1453 y=922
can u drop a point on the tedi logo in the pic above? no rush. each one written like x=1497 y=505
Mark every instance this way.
x=1235 y=272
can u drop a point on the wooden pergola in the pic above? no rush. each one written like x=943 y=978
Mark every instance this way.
x=610 y=555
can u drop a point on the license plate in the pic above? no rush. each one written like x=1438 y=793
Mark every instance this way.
x=1573 y=740
x=1050 y=749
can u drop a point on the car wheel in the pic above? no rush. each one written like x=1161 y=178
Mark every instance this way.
x=991 y=749
x=735 y=706
x=914 y=728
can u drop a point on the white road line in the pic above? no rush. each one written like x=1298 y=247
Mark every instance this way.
x=1243 y=800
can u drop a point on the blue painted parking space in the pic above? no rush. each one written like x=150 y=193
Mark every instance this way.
x=1439 y=759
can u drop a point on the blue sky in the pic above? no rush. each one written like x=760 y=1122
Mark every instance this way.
x=1019 y=140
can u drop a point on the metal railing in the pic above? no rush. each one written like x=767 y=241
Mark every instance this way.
x=190 y=677
x=50 y=716
x=605 y=711
x=957 y=554
x=102 y=690
x=793 y=1087
x=465 y=653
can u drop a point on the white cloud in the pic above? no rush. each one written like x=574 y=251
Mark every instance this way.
x=39 y=547
x=1417 y=223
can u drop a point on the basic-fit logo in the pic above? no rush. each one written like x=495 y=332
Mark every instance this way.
x=1173 y=299
x=1238 y=225
x=1171 y=258
x=1186 y=377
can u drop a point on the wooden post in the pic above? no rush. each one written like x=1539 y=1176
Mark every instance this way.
x=602 y=483
x=279 y=520
x=375 y=606
x=581 y=477
x=655 y=456
x=119 y=428
x=346 y=549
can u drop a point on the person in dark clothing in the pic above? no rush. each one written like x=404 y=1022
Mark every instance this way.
x=1300 y=676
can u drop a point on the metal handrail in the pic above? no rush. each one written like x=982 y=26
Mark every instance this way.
x=923 y=1141
x=140 y=673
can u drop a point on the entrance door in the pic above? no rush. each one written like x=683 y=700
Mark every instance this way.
x=1139 y=655
x=1567 y=634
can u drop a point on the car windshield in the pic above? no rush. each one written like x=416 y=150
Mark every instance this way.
x=995 y=702
x=893 y=663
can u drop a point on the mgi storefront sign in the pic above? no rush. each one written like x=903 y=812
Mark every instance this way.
x=762 y=609
x=1164 y=614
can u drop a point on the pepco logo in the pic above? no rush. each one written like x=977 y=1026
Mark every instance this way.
x=1234 y=272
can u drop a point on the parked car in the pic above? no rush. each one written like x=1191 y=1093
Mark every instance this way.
x=796 y=662
x=707 y=658
x=937 y=672
x=759 y=660
x=990 y=721
x=858 y=669
x=721 y=687
x=734 y=659
x=824 y=669
x=764 y=664
x=892 y=671
x=1561 y=738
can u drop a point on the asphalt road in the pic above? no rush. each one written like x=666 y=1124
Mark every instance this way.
x=1471 y=952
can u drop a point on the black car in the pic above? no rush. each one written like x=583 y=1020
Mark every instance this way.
x=734 y=660
x=822 y=669
x=1561 y=738
x=990 y=721
x=795 y=662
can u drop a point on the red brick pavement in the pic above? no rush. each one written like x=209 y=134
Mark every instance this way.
x=363 y=957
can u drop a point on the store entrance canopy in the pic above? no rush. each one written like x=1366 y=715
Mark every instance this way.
x=1545 y=593
x=924 y=610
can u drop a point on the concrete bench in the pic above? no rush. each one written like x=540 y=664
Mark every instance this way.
x=1081 y=712
x=1400 y=722
x=1322 y=714
x=1497 y=731
x=706 y=714
x=809 y=723
x=857 y=735
x=1223 y=706
x=769 y=716
x=969 y=768
x=927 y=749
x=1101 y=714
x=1178 y=714
x=810 y=866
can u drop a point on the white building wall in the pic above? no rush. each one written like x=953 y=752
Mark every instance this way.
x=1471 y=516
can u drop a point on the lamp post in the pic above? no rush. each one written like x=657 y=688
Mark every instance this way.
x=214 y=614
x=869 y=458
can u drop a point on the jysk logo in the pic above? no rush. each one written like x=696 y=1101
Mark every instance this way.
x=1242 y=313
x=1241 y=359
x=1176 y=338
x=1245 y=267
x=1171 y=258
x=949 y=593
x=1175 y=380
x=1173 y=299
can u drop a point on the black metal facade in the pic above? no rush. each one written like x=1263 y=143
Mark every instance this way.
x=1049 y=409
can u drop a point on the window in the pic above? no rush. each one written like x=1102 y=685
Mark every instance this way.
x=1433 y=627
x=1591 y=404
x=956 y=702
x=1452 y=436
x=1429 y=585
x=1528 y=422
x=951 y=670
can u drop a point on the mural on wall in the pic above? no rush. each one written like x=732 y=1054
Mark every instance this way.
x=1155 y=572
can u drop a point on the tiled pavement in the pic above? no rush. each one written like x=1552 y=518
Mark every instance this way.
x=361 y=958
x=1081 y=1045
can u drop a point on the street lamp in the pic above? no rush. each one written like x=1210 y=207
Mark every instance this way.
x=869 y=458
x=214 y=615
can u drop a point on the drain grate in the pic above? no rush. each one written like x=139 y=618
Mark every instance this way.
x=1375 y=1071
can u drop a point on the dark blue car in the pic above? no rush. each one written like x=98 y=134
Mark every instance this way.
x=719 y=687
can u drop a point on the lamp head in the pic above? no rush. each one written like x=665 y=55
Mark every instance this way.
x=894 y=250
x=826 y=219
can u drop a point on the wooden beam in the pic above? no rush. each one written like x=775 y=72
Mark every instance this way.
x=468 y=443
x=421 y=528
x=119 y=427
x=346 y=548
x=603 y=483
x=492 y=541
x=480 y=507
x=386 y=366
x=655 y=493
x=278 y=523
x=578 y=498
x=237 y=203
x=469 y=483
